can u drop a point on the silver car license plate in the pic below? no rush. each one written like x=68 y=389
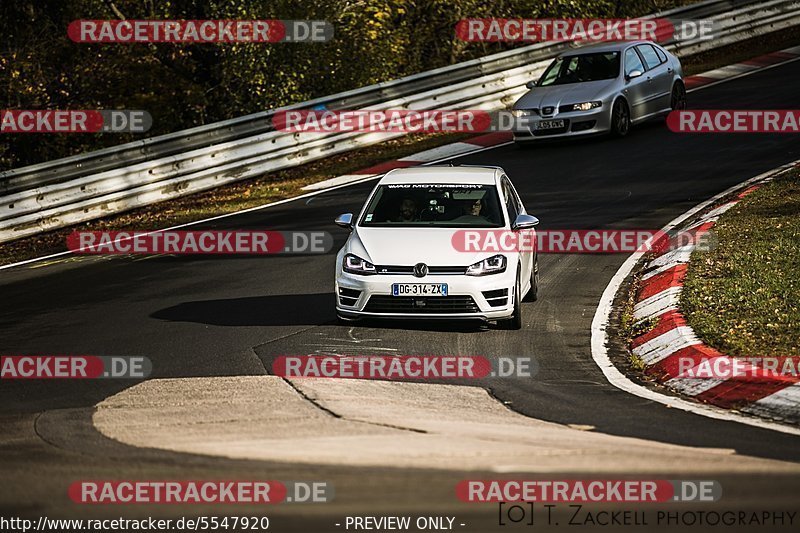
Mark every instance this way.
x=549 y=124
x=419 y=289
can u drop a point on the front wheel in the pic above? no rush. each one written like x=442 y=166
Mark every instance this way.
x=620 y=119
x=678 y=98
x=533 y=294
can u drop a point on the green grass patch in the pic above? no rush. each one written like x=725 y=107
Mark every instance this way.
x=743 y=297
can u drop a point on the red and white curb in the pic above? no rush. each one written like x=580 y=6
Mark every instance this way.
x=670 y=344
x=460 y=148
x=785 y=400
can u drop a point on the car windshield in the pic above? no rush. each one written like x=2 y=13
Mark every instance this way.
x=581 y=68
x=434 y=205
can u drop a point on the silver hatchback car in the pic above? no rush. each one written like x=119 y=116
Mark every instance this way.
x=602 y=88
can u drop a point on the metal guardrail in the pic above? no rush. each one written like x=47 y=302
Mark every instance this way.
x=75 y=189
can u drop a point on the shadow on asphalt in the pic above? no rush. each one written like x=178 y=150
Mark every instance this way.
x=429 y=324
x=297 y=310
x=278 y=310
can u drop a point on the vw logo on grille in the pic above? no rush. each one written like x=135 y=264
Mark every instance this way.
x=548 y=110
x=420 y=270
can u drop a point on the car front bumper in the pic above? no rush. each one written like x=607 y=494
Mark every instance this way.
x=577 y=124
x=371 y=296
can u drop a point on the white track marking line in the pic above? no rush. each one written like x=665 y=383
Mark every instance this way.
x=742 y=75
x=435 y=154
x=338 y=180
x=784 y=403
x=693 y=386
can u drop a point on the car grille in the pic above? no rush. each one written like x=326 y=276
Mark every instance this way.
x=409 y=270
x=421 y=304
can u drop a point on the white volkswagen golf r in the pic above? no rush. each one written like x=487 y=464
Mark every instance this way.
x=400 y=260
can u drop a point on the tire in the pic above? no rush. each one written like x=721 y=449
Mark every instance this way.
x=620 y=119
x=515 y=320
x=677 y=100
x=533 y=294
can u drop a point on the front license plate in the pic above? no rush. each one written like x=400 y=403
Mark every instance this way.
x=419 y=289
x=549 y=124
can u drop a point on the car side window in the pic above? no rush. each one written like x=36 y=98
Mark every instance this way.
x=650 y=56
x=633 y=62
x=661 y=55
x=515 y=196
x=511 y=201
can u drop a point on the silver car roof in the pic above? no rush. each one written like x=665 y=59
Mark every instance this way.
x=616 y=46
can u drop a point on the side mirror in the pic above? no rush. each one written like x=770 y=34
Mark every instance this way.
x=531 y=84
x=345 y=220
x=633 y=74
x=524 y=222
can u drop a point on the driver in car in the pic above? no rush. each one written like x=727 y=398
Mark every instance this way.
x=473 y=207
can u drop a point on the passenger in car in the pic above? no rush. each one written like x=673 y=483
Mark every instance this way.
x=408 y=211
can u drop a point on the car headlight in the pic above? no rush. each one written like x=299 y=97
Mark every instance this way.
x=494 y=265
x=355 y=265
x=519 y=113
x=586 y=106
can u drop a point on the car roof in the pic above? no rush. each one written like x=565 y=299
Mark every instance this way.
x=443 y=174
x=616 y=46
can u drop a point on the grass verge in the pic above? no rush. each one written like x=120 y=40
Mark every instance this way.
x=743 y=297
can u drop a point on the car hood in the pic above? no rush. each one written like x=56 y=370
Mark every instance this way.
x=571 y=93
x=409 y=246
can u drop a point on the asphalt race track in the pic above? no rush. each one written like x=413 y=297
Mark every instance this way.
x=207 y=317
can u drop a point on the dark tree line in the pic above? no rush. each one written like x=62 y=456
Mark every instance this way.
x=187 y=85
